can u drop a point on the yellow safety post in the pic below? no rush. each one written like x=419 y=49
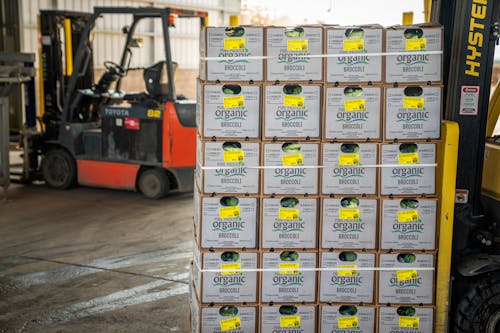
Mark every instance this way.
x=427 y=10
x=446 y=177
x=69 y=47
x=407 y=18
x=41 y=94
x=234 y=20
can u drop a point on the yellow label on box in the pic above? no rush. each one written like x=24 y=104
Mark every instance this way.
x=234 y=156
x=348 y=159
x=347 y=270
x=413 y=102
x=297 y=45
x=348 y=322
x=289 y=268
x=230 y=324
x=234 y=43
x=290 y=321
x=354 y=105
x=416 y=44
x=288 y=214
x=293 y=101
x=231 y=268
x=234 y=102
x=229 y=212
x=408 y=158
x=406 y=274
x=408 y=216
x=349 y=214
x=411 y=322
x=294 y=159
x=354 y=45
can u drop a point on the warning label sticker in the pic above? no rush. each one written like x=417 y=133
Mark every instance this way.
x=469 y=100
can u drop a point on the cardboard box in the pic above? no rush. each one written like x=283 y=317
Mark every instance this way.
x=292 y=111
x=284 y=278
x=228 y=111
x=345 y=318
x=226 y=284
x=216 y=226
x=221 y=318
x=289 y=50
x=288 y=176
x=354 y=40
x=408 y=224
x=413 y=112
x=414 y=67
x=349 y=223
x=414 y=319
x=230 y=43
x=289 y=222
x=347 y=284
x=408 y=178
x=344 y=171
x=405 y=283
x=232 y=166
x=353 y=113
x=288 y=318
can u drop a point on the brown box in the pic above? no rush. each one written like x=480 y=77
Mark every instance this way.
x=289 y=221
x=352 y=113
x=341 y=317
x=288 y=317
x=226 y=276
x=412 y=112
x=228 y=110
x=414 y=67
x=405 y=177
x=354 y=40
x=406 y=277
x=295 y=168
x=231 y=43
x=348 y=284
x=292 y=111
x=349 y=168
x=226 y=222
x=418 y=319
x=209 y=318
x=408 y=224
x=289 y=50
x=289 y=275
x=349 y=223
x=232 y=166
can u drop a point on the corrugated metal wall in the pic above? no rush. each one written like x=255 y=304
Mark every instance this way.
x=108 y=39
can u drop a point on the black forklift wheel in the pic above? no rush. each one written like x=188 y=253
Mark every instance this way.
x=479 y=309
x=59 y=169
x=154 y=183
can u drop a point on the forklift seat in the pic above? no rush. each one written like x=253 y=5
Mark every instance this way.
x=156 y=79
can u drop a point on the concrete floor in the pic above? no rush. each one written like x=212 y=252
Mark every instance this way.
x=93 y=260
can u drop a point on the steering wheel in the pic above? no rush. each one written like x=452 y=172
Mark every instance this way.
x=114 y=68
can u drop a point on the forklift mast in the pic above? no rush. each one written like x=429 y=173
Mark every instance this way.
x=61 y=33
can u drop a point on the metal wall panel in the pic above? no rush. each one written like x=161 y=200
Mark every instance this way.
x=109 y=40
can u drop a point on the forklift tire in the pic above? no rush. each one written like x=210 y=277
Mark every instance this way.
x=154 y=183
x=59 y=169
x=478 y=310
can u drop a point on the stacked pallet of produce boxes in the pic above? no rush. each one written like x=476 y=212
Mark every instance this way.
x=315 y=205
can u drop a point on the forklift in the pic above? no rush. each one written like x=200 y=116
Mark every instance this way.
x=95 y=134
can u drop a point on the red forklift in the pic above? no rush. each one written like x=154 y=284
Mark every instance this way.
x=95 y=134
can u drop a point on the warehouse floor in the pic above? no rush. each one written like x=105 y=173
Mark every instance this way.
x=93 y=260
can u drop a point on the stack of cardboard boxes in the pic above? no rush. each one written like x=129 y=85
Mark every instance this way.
x=315 y=205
